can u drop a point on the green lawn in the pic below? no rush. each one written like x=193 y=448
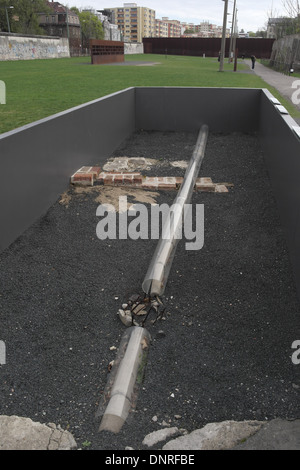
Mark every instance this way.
x=39 y=88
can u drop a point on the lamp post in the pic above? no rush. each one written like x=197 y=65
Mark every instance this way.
x=223 y=35
x=7 y=18
x=235 y=35
x=67 y=22
x=232 y=31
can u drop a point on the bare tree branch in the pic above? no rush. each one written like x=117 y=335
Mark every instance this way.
x=292 y=7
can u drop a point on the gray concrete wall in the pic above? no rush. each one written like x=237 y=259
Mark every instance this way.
x=222 y=109
x=133 y=48
x=282 y=155
x=16 y=47
x=286 y=51
x=38 y=160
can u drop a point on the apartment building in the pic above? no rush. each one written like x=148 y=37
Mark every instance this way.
x=174 y=27
x=204 y=30
x=161 y=29
x=134 y=22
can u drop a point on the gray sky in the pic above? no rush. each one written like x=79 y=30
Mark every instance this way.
x=252 y=14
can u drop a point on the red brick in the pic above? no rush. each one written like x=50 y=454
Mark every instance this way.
x=137 y=179
x=210 y=188
x=85 y=175
x=108 y=179
x=166 y=186
x=83 y=179
x=118 y=179
x=127 y=178
x=101 y=177
x=96 y=170
x=204 y=181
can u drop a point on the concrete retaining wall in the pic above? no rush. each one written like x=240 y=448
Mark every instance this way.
x=282 y=151
x=187 y=109
x=285 y=52
x=133 y=48
x=40 y=158
x=16 y=47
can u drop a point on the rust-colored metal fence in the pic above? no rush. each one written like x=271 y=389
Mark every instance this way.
x=211 y=47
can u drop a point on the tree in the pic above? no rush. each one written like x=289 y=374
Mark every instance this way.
x=292 y=8
x=23 y=18
x=6 y=14
x=189 y=31
x=262 y=33
x=91 y=26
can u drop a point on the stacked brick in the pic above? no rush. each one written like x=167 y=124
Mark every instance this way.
x=89 y=176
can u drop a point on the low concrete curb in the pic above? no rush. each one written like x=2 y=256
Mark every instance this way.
x=18 y=433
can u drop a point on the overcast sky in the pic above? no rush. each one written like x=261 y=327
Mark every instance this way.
x=252 y=14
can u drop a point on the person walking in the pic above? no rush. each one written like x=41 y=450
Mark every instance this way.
x=253 y=59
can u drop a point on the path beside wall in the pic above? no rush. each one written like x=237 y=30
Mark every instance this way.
x=18 y=47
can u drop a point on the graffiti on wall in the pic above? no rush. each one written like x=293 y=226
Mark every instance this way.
x=18 y=48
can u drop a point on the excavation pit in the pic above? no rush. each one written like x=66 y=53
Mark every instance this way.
x=223 y=349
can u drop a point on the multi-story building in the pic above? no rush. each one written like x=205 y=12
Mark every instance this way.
x=161 y=29
x=204 y=30
x=134 y=22
x=174 y=27
x=62 y=22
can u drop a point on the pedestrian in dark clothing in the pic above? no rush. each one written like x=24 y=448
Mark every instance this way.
x=253 y=59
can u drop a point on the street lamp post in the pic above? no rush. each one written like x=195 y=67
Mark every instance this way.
x=223 y=36
x=232 y=32
x=7 y=18
x=234 y=39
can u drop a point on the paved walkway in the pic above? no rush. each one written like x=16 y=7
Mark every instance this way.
x=282 y=83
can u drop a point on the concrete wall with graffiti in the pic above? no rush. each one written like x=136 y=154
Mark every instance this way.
x=286 y=53
x=17 y=47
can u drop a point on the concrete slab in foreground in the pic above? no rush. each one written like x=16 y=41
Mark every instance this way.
x=17 y=433
x=277 y=434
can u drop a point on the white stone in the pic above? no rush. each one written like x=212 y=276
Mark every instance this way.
x=18 y=433
x=158 y=436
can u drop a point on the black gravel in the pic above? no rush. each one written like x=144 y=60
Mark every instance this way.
x=223 y=351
